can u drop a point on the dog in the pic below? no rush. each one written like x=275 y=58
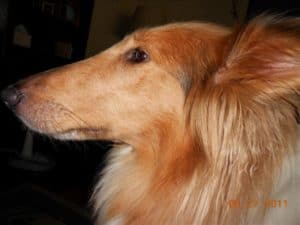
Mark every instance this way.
x=205 y=121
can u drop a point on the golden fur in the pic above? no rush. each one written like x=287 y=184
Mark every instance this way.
x=210 y=117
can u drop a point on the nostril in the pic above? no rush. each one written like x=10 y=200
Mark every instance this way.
x=11 y=96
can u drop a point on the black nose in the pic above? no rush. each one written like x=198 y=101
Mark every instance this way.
x=11 y=96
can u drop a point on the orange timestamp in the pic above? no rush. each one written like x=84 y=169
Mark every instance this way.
x=252 y=203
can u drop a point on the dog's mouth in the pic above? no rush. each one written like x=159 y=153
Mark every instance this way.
x=51 y=129
x=56 y=121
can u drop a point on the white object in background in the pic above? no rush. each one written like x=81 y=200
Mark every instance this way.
x=30 y=161
x=27 y=150
x=22 y=37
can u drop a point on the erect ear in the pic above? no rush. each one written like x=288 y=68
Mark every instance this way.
x=267 y=49
x=264 y=59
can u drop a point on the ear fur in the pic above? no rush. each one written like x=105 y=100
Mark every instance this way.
x=267 y=49
x=265 y=56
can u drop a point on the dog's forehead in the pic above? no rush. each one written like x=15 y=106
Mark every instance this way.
x=158 y=33
x=171 y=35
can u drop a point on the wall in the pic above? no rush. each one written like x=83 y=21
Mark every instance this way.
x=109 y=17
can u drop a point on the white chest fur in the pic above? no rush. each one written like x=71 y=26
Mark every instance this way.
x=115 y=221
x=286 y=196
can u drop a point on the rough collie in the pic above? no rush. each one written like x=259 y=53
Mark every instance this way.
x=206 y=121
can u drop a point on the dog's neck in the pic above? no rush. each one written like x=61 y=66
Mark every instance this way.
x=138 y=177
x=136 y=180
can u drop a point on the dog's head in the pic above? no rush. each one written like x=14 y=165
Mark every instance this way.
x=153 y=77
x=198 y=79
x=123 y=92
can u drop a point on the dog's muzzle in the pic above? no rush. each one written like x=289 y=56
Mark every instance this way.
x=12 y=96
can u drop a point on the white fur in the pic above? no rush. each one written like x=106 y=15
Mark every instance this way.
x=107 y=186
x=287 y=188
x=115 y=221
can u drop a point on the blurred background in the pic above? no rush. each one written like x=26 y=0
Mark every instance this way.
x=44 y=181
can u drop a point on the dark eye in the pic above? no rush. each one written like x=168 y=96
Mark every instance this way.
x=137 y=55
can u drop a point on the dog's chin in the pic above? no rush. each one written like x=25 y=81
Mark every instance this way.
x=79 y=134
x=75 y=134
x=68 y=135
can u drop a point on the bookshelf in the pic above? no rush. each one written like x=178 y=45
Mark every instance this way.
x=37 y=35
x=42 y=34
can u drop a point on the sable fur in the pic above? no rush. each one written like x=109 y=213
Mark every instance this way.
x=212 y=117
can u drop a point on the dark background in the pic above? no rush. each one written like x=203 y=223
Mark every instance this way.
x=74 y=164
